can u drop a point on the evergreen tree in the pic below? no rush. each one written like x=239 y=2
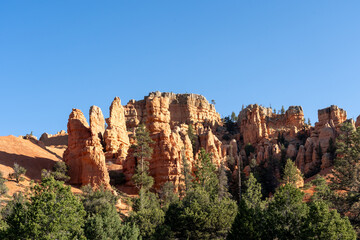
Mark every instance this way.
x=147 y=214
x=3 y=187
x=186 y=173
x=249 y=221
x=223 y=181
x=168 y=195
x=141 y=178
x=129 y=231
x=59 y=172
x=200 y=216
x=322 y=223
x=102 y=220
x=346 y=168
x=286 y=214
x=282 y=110
x=346 y=175
x=52 y=212
x=291 y=173
x=252 y=196
x=205 y=173
x=18 y=173
x=322 y=190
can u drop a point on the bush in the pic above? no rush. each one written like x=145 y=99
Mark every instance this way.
x=18 y=173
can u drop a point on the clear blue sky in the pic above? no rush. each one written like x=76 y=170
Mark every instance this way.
x=59 y=55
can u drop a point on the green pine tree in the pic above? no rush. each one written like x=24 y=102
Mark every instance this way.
x=249 y=221
x=286 y=214
x=291 y=173
x=205 y=173
x=186 y=173
x=50 y=212
x=323 y=223
x=282 y=110
x=141 y=178
x=346 y=175
x=102 y=220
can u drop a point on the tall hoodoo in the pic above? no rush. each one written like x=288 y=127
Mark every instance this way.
x=116 y=137
x=84 y=155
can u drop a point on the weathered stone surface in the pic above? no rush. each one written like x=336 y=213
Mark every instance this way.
x=116 y=137
x=60 y=138
x=182 y=109
x=291 y=151
x=97 y=122
x=84 y=155
x=334 y=113
x=317 y=145
x=257 y=122
x=167 y=117
x=212 y=145
x=252 y=122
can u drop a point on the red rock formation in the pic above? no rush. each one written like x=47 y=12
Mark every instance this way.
x=314 y=154
x=334 y=113
x=84 y=155
x=183 y=109
x=61 y=138
x=257 y=122
x=307 y=146
x=116 y=137
x=166 y=116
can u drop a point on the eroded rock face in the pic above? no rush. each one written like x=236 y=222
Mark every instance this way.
x=182 y=109
x=333 y=113
x=116 y=137
x=311 y=147
x=257 y=122
x=167 y=117
x=84 y=155
x=317 y=147
x=60 y=138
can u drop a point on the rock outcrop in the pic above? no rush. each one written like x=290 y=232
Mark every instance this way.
x=318 y=151
x=257 y=122
x=167 y=116
x=286 y=135
x=116 y=137
x=84 y=155
x=332 y=113
x=261 y=137
x=60 y=138
x=183 y=109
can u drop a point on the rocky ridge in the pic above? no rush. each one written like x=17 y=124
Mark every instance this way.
x=261 y=136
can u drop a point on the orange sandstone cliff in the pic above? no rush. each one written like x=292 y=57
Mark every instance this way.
x=93 y=150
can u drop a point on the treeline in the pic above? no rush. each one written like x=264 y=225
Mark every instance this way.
x=203 y=208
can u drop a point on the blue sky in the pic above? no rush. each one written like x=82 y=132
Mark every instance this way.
x=59 y=55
